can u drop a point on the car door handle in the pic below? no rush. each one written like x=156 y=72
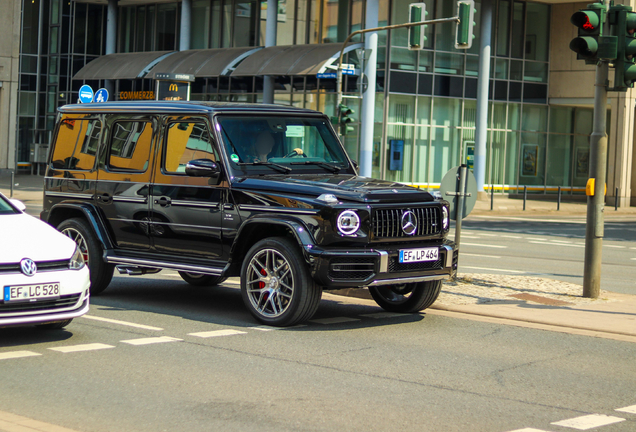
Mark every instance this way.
x=228 y=206
x=163 y=201
x=105 y=198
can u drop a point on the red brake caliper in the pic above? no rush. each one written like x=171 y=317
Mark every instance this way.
x=261 y=284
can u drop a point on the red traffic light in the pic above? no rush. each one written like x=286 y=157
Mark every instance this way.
x=587 y=20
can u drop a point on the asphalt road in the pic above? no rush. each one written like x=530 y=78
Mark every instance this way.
x=551 y=247
x=155 y=354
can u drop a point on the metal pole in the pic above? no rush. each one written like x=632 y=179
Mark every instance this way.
x=559 y=199
x=594 y=231
x=492 y=196
x=270 y=40
x=616 y=200
x=525 y=196
x=368 y=96
x=186 y=23
x=12 y=183
x=459 y=215
x=111 y=39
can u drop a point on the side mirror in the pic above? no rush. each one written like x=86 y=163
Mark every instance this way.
x=203 y=168
x=18 y=204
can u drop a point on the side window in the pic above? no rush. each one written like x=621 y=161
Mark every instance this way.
x=76 y=144
x=186 y=141
x=130 y=146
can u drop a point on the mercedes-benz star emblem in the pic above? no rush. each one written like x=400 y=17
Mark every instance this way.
x=28 y=267
x=409 y=222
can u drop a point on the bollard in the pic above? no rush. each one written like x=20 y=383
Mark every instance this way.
x=525 y=196
x=616 y=200
x=12 y=183
x=492 y=195
x=559 y=199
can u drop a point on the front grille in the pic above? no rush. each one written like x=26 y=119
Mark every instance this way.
x=387 y=223
x=396 y=267
x=352 y=268
x=41 y=265
x=48 y=305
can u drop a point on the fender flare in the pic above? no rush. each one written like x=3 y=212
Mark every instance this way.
x=92 y=216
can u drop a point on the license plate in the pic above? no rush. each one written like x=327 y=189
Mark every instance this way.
x=31 y=292
x=419 y=255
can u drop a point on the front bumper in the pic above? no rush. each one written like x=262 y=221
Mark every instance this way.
x=340 y=268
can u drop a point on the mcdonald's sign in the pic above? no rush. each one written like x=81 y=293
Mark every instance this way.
x=171 y=90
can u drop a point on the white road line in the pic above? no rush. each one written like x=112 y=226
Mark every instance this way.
x=335 y=320
x=557 y=244
x=480 y=255
x=561 y=241
x=17 y=354
x=492 y=269
x=633 y=259
x=124 y=323
x=84 y=347
x=570 y=221
x=536 y=239
x=633 y=248
x=264 y=328
x=630 y=409
x=380 y=315
x=511 y=236
x=589 y=421
x=481 y=245
x=217 y=333
x=615 y=246
x=529 y=430
x=488 y=235
x=151 y=340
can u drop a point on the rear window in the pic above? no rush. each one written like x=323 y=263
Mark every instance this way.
x=76 y=143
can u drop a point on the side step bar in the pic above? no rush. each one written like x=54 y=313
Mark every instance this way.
x=132 y=263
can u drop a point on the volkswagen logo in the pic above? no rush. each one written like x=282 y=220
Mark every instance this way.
x=28 y=267
x=409 y=222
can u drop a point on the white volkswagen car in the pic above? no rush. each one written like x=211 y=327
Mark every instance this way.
x=43 y=277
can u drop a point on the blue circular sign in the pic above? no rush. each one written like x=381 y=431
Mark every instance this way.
x=101 y=95
x=86 y=94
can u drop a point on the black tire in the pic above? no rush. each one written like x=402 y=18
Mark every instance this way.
x=406 y=298
x=55 y=325
x=275 y=283
x=199 y=279
x=101 y=272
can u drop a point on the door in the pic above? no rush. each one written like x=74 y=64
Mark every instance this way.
x=186 y=211
x=123 y=180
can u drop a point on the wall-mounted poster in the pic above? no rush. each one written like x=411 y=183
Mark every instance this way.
x=529 y=159
x=582 y=163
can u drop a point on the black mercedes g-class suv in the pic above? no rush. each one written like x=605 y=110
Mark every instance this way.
x=264 y=192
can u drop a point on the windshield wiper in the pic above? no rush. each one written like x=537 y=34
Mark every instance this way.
x=279 y=167
x=326 y=165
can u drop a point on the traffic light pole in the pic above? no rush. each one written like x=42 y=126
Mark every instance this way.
x=594 y=230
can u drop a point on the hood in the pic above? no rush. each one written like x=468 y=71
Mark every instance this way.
x=344 y=187
x=23 y=236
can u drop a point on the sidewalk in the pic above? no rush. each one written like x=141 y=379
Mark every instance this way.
x=517 y=300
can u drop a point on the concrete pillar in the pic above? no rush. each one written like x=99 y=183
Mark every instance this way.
x=481 y=122
x=186 y=25
x=621 y=145
x=270 y=40
x=368 y=97
x=111 y=40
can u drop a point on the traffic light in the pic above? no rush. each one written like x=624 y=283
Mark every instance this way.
x=464 y=29
x=417 y=13
x=590 y=25
x=625 y=64
x=343 y=119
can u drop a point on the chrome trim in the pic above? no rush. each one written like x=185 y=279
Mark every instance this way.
x=46 y=316
x=400 y=281
x=277 y=209
x=181 y=203
x=384 y=261
x=449 y=255
x=173 y=266
x=130 y=199
x=88 y=195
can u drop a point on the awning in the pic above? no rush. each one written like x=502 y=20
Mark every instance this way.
x=291 y=59
x=121 y=65
x=203 y=63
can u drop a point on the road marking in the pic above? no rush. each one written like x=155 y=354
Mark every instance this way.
x=151 y=340
x=265 y=328
x=492 y=269
x=217 y=333
x=488 y=235
x=124 y=323
x=83 y=347
x=379 y=315
x=15 y=423
x=481 y=256
x=630 y=409
x=568 y=221
x=557 y=244
x=561 y=241
x=17 y=354
x=335 y=320
x=481 y=245
x=589 y=421
x=528 y=430
x=537 y=239
x=615 y=246
x=511 y=236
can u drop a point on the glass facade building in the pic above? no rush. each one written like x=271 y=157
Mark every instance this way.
x=425 y=101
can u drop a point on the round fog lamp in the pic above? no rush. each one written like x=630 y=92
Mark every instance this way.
x=348 y=222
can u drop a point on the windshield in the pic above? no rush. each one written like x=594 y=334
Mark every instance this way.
x=281 y=144
x=5 y=207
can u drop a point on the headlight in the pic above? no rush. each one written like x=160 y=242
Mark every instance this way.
x=348 y=222
x=77 y=260
x=445 y=218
